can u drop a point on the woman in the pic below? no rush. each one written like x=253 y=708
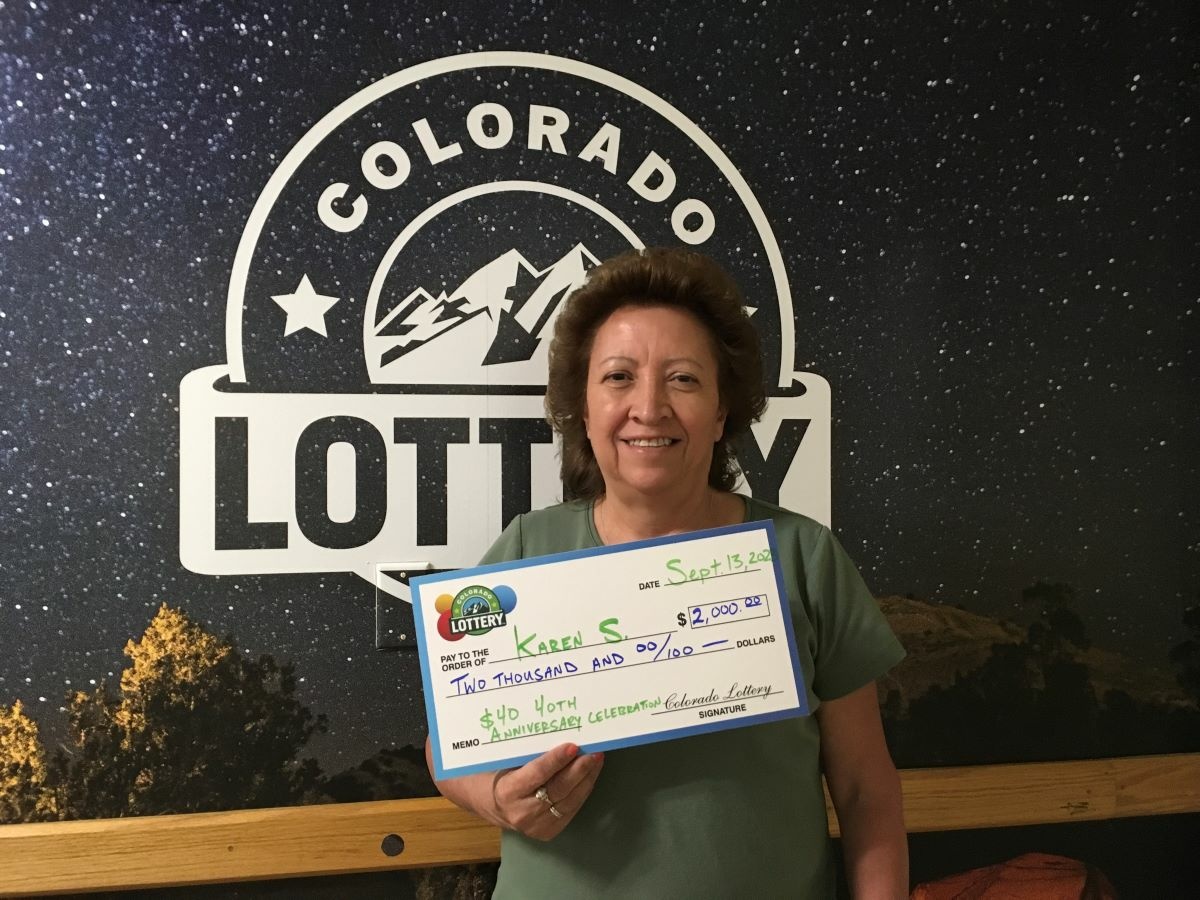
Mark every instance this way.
x=655 y=373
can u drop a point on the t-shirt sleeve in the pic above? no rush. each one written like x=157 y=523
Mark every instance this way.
x=509 y=546
x=855 y=644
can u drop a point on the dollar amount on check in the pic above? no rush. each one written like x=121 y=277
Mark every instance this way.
x=605 y=648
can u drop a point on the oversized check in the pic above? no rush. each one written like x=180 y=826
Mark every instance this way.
x=606 y=647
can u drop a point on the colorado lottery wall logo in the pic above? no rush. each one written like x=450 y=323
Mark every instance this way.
x=474 y=610
x=391 y=299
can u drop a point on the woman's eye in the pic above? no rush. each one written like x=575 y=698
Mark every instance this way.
x=617 y=376
x=684 y=378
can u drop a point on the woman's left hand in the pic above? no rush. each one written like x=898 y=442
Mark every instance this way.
x=540 y=798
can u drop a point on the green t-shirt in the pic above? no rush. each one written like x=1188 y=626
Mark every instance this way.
x=722 y=814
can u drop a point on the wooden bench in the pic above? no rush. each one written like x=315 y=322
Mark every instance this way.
x=201 y=848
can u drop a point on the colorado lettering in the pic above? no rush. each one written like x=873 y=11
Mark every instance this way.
x=683 y=701
x=385 y=165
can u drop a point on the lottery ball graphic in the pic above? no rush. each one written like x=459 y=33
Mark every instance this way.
x=507 y=597
x=444 y=627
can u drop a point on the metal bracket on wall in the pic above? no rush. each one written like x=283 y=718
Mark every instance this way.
x=395 y=628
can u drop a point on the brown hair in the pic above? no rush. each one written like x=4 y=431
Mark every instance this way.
x=656 y=276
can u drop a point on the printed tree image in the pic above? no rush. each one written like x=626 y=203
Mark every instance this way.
x=1062 y=623
x=196 y=726
x=1029 y=700
x=394 y=773
x=1035 y=698
x=23 y=794
x=1186 y=655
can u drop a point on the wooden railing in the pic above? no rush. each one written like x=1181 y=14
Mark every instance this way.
x=160 y=851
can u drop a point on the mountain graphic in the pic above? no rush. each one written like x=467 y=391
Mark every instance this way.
x=945 y=643
x=516 y=299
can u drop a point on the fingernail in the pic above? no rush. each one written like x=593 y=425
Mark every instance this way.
x=572 y=749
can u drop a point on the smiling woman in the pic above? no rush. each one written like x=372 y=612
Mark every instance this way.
x=665 y=279
x=653 y=412
x=654 y=374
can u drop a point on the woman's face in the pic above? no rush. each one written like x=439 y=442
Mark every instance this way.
x=653 y=409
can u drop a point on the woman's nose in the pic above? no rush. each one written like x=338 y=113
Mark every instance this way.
x=650 y=403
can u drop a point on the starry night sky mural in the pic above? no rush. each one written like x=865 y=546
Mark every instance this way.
x=987 y=218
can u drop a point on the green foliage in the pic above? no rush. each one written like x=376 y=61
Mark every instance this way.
x=1063 y=624
x=394 y=773
x=1018 y=706
x=196 y=726
x=1048 y=594
x=475 y=882
x=23 y=794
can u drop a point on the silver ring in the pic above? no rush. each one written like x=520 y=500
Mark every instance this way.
x=541 y=794
x=554 y=812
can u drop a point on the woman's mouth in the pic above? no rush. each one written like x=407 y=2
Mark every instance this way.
x=650 y=442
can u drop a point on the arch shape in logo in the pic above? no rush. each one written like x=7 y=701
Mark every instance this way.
x=390 y=302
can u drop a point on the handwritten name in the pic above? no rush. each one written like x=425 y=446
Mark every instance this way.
x=526 y=646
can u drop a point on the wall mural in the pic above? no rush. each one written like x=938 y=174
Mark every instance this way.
x=275 y=291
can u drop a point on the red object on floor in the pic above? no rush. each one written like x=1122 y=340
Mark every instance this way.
x=1032 y=876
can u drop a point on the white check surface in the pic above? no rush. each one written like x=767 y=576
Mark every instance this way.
x=606 y=648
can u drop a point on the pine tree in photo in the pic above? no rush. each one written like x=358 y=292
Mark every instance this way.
x=23 y=793
x=1186 y=655
x=196 y=726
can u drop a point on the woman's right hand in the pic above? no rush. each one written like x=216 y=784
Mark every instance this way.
x=509 y=798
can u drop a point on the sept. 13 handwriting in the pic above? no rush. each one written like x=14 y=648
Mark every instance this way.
x=681 y=572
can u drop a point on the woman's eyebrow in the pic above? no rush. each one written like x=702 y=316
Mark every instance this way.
x=629 y=360
x=675 y=360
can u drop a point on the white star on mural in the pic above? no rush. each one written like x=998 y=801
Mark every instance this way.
x=305 y=308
